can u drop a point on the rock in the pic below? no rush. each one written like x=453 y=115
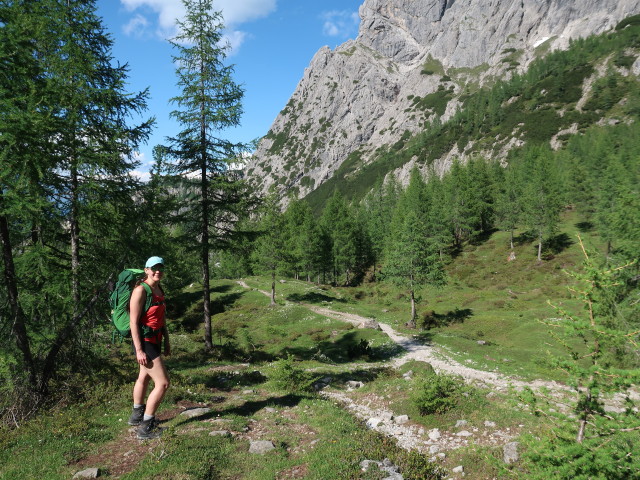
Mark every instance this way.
x=373 y=423
x=464 y=433
x=369 y=324
x=385 y=466
x=353 y=384
x=195 y=412
x=261 y=446
x=489 y=424
x=401 y=419
x=434 y=434
x=433 y=449
x=481 y=342
x=510 y=452
x=461 y=423
x=88 y=473
x=220 y=433
x=458 y=469
x=270 y=410
x=386 y=415
x=635 y=68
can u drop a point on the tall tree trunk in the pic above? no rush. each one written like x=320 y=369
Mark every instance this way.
x=206 y=288
x=273 y=287
x=412 y=322
x=540 y=247
x=75 y=241
x=18 y=327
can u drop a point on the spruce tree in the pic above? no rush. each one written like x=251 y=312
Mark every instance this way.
x=508 y=206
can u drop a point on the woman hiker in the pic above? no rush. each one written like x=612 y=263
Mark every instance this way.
x=148 y=329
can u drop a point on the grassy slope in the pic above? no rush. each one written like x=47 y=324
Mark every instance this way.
x=487 y=298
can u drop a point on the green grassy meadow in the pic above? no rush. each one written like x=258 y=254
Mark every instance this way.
x=486 y=298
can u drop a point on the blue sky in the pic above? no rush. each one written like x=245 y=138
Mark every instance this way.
x=273 y=41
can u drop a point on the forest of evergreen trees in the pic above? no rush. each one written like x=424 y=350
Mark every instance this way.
x=408 y=235
x=72 y=215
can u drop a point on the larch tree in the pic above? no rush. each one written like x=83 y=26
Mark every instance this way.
x=412 y=259
x=541 y=197
x=210 y=102
x=271 y=253
x=65 y=145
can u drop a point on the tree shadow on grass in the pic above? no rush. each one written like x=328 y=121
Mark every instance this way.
x=193 y=318
x=348 y=348
x=228 y=380
x=524 y=238
x=482 y=237
x=433 y=319
x=559 y=243
x=181 y=302
x=585 y=226
x=313 y=297
x=247 y=409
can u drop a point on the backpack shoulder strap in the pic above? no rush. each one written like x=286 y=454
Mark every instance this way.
x=149 y=299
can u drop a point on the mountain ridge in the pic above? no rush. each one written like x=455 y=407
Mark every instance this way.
x=412 y=65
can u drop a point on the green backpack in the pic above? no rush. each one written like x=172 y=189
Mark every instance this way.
x=119 y=301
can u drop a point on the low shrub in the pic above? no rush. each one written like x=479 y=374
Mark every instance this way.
x=286 y=376
x=436 y=394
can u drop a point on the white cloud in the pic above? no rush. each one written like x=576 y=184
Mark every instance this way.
x=340 y=23
x=141 y=175
x=137 y=26
x=234 y=13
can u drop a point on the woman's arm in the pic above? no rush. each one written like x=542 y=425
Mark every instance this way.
x=136 y=304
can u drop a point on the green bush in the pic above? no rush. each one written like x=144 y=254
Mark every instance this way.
x=436 y=394
x=286 y=376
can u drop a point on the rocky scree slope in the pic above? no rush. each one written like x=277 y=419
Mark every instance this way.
x=410 y=64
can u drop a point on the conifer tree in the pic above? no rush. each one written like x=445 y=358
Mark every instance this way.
x=93 y=142
x=590 y=441
x=270 y=255
x=412 y=260
x=210 y=101
x=508 y=206
x=438 y=215
x=378 y=207
x=541 y=195
x=66 y=150
x=459 y=200
x=304 y=239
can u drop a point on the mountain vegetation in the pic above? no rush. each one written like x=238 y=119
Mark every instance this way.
x=466 y=259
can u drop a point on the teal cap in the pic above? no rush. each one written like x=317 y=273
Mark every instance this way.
x=154 y=261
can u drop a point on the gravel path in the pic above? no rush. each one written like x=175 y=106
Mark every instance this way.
x=436 y=442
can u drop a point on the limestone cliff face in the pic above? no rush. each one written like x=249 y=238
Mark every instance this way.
x=366 y=93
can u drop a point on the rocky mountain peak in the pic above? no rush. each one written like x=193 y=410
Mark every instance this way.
x=360 y=97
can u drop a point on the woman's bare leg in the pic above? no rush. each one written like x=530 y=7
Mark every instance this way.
x=156 y=371
x=141 y=386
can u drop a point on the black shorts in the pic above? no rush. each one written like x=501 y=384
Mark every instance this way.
x=151 y=349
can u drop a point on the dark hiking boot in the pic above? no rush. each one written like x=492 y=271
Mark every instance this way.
x=137 y=415
x=148 y=429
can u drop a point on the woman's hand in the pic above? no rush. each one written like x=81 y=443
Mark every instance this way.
x=141 y=357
